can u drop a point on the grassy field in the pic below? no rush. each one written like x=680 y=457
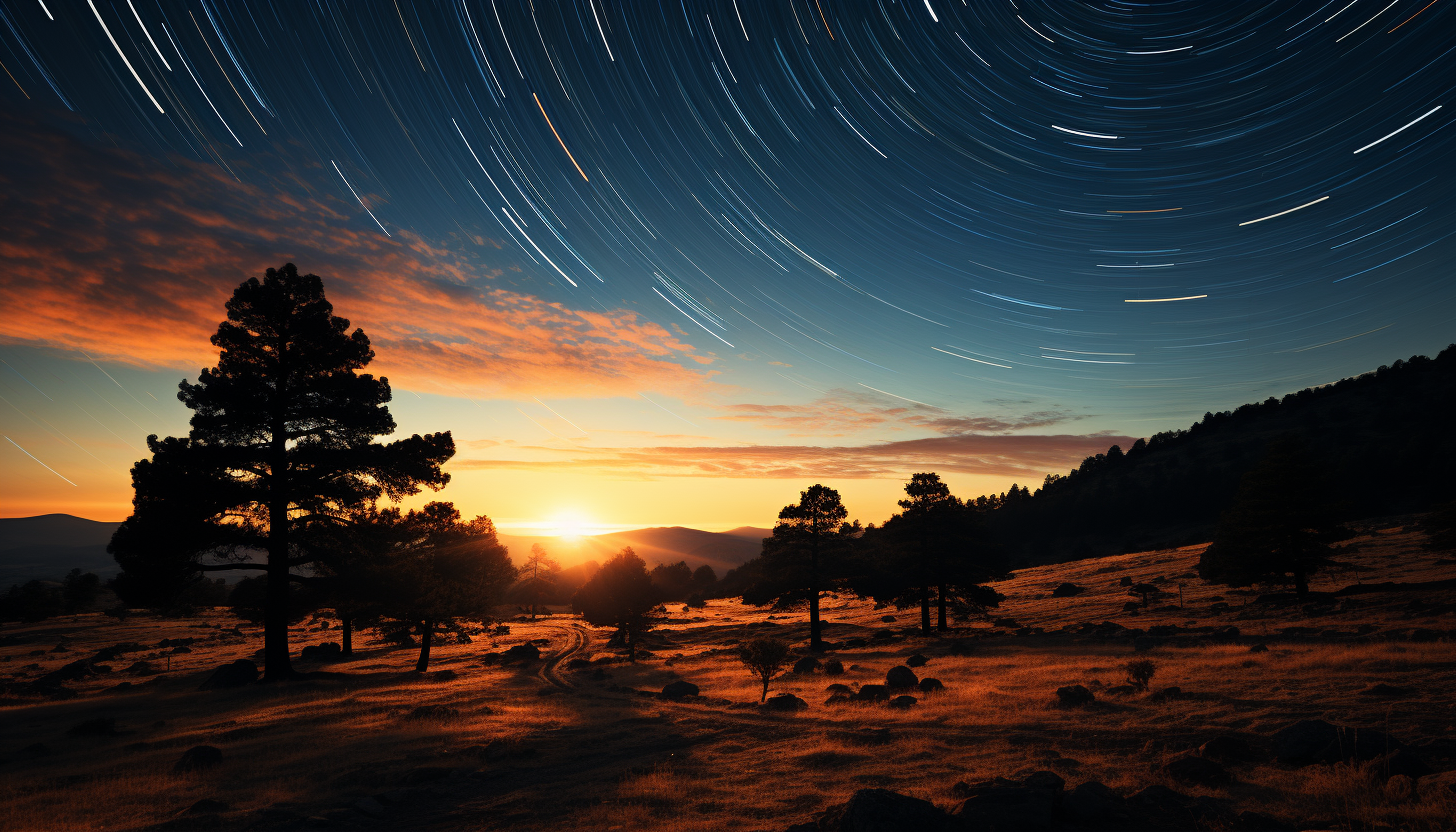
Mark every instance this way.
x=365 y=743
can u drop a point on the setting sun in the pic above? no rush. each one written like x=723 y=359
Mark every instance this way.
x=569 y=524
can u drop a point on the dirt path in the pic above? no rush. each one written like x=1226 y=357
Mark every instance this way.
x=578 y=639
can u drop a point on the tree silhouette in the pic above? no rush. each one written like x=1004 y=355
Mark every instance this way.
x=766 y=657
x=621 y=594
x=804 y=555
x=1281 y=523
x=281 y=445
x=704 y=578
x=441 y=576
x=674 y=580
x=539 y=576
x=935 y=548
x=79 y=590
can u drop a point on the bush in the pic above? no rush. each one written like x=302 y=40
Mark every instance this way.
x=766 y=657
x=1140 y=673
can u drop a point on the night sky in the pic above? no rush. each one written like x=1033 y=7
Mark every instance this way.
x=668 y=262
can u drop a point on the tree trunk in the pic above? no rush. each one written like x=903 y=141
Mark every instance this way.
x=427 y=634
x=925 y=610
x=815 y=644
x=631 y=645
x=940 y=604
x=763 y=696
x=276 y=664
x=347 y=625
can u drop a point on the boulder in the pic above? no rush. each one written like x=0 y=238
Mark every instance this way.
x=199 y=758
x=1196 y=771
x=808 y=664
x=1167 y=694
x=1227 y=749
x=521 y=653
x=326 y=652
x=872 y=693
x=855 y=642
x=1121 y=690
x=833 y=667
x=903 y=703
x=1092 y=802
x=141 y=668
x=1259 y=648
x=1031 y=804
x=916 y=660
x=901 y=678
x=235 y=675
x=931 y=685
x=1067 y=590
x=839 y=688
x=678 y=690
x=881 y=810
x=784 y=703
x=1074 y=696
x=838 y=698
x=446 y=675
x=1131 y=606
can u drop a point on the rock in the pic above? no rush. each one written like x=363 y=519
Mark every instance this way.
x=1009 y=623
x=444 y=676
x=1168 y=694
x=1121 y=690
x=199 y=758
x=888 y=619
x=855 y=642
x=326 y=652
x=239 y=673
x=433 y=712
x=872 y=693
x=901 y=678
x=141 y=668
x=206 y=806
x=1158 y=798
x=931 y=685
x=1008 y=804
x=833 y=667
x=881 y=810
x=1124 y=581
x=916 y=660
x=1131 y=606
x=903 y=703
x=1092 y=802
x=521 y=653
x=678 y=690
x=784 y=703
x=1227 y=749
x=1316 y=741
x=1067 y=590
x=1259 y=822
x=1196 y=771
x=839 y=688
x=1259 y=648
x=1385 y=691
x=808 y=664
x=98 y=727
x=838 y=698
x=1074 y=696
x=1401 y=762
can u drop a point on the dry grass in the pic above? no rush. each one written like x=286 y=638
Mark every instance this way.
x=603 y=757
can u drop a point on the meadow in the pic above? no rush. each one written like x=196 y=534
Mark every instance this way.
x=580 y=739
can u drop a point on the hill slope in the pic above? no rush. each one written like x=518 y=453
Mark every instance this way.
x=720 y=550
x=50 y=545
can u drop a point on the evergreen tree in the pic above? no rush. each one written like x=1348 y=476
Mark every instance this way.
x=539 y=576
x=439 y=575
x=282 y=444
x=621 y=594
x=1281 y=523
x=804 y=557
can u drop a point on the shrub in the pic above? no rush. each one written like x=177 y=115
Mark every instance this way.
x=1140 y=673
x=766 y=657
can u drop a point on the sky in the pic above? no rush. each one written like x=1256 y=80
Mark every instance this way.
x=670 y=263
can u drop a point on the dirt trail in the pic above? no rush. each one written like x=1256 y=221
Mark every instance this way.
x=578 y=639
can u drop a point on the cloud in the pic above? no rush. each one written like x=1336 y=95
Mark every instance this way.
x=1000 y=455
x=843 y=412
x=131 y=260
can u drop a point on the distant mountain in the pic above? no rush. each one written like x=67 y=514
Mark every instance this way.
x=720 y=550
x=50 y=545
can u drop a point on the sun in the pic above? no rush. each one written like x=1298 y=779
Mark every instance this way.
x=568 y=524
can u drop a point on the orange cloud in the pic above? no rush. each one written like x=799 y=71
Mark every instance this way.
x=131 y=261
x=1011 y=456
x=844 y=412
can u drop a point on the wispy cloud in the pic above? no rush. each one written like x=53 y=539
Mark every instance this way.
x=845 y=412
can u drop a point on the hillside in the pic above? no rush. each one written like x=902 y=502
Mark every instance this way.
x=50 y=545
x=720 y=550
x=1383 y=438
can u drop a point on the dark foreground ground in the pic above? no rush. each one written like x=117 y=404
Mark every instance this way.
x=1335 y=713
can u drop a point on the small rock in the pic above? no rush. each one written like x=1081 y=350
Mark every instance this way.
x=326 y=652
x=1092 y=802
x=444 y=676
x=235 y=675
x=199 y=758
x=678 y=690
x=839 y=688
x=785 y=703
x=881 y=810
x=931 y=685
x=521 y=653
x=808 y=664
x=833 y=667
x=1259 y=648
x=1168 y=694
x=1121 y=690
x=903 y=703
x=1385 y=691
x=916 y=660
x=1196 y=771
x=1074 y=696
x=1227 y=749
x=901 y=678
x=1067 y=590
x=872 y=693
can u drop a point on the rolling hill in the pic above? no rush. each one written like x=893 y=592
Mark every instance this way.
x=50 y=545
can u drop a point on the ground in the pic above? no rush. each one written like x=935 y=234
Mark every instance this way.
x=577 y=740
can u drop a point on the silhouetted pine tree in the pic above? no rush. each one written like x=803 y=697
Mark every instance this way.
x=621 y=594
x=804 y=557
x=282 y=441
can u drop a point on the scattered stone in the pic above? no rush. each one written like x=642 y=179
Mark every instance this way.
x=1168 y=694
x=872 y=693
x=785 y=702
x=1067 y=590
x=235 y=675
x=839 y=698
x=837 y=687
x=328 y=651
x=888 y=619
x=1196 y=771
x=1009 y=623
x=931 y=685
x=903 y=703
x=1092 y=802
x=1227 y=749
x=678 y=690
x=833 y=667
x=521 y=653
x=1259 y=648
x=855 y=642
x=1074 y=696
x=1124 y=581
x=206 y=806
x=1131 y=606
x=901 y=678
x=880 y=810
x=916 y=660
x=808 y=664
x=1007 y=804
x=199 y=758
x=1121 y=690
x=141 y=668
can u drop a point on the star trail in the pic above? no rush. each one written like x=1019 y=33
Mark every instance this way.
x=1132 y=212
